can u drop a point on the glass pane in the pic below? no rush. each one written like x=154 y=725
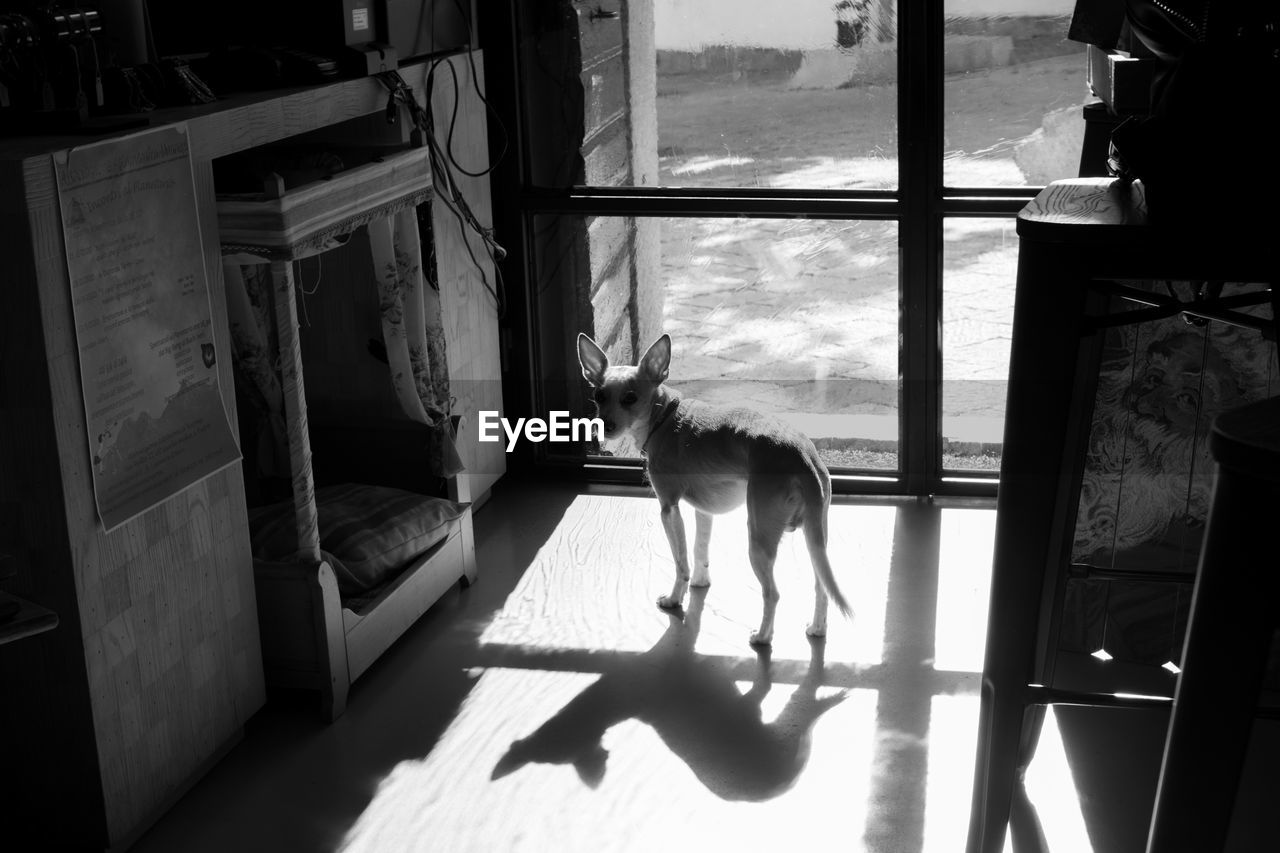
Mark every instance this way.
x=980 y=261
x=1013 y=94
x=795 y=318
x=783 y=94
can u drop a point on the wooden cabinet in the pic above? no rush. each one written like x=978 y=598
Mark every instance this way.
x=155 y=665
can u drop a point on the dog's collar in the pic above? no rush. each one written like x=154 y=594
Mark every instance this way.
x=662 y=418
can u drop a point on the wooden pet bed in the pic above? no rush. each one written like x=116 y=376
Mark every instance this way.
x=310 y=638
x=315 y=639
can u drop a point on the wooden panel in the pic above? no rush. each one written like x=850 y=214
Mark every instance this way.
x=564 y=309
x=417 y=588
x=165 y=602
x=235 y=127
x=289 y=638
x=243 y=120
x=45 y=723
x=323 y=206
x=338 y=304
x=469 y=306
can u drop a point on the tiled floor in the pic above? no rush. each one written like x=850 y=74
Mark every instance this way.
x=552 y=706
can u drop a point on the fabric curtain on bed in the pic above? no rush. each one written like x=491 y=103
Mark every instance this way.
x=255 y=347
x=412 y=331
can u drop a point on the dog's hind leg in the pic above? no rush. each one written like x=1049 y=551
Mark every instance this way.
x=763 y=550
x=824 y=582
x=816 y=540
x=818 y=625
x=701 y=549
x=673 y=524
x=765 y=524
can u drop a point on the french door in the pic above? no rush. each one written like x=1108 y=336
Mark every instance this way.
x=815 y=200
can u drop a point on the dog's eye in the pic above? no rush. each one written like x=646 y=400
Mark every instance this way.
x=629 y=398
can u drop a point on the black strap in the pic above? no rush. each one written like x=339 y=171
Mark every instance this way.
x=666 y=413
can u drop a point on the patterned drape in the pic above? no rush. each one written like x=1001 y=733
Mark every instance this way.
x=254 y=346
x=412 y=331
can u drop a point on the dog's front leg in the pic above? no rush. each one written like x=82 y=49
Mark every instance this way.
x=701 y=549
x=673 y=523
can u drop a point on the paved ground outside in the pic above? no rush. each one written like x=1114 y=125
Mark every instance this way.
x=800 y=317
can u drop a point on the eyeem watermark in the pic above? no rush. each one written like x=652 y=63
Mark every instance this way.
x=560 y=427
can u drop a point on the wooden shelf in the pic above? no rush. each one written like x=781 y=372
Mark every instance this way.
x=31 y=619
x=284 y=227
x=245 y=120
x=157 y=663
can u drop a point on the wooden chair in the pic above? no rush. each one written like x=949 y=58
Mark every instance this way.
x=1078 y=239
x=1233 y=618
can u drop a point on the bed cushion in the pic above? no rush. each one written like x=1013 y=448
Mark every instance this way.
x=368 y=533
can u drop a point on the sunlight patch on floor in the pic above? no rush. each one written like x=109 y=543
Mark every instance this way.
x=953 y=744
x=633 y=785
x=964 y=584
x=599 y=722
x=952 y=748
x=594 y=584
x=1052 y=789
x=953 y=740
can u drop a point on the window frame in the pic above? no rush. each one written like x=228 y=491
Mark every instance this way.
x=920 y=204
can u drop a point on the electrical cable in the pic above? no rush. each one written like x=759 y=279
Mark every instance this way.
x=446 y=186
x=494 y=117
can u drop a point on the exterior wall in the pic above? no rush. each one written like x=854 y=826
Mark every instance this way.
x=607 y=150
x=642 y=83
x=599 y=275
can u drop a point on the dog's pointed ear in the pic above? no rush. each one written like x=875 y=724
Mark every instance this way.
x=656 y=360
x=511 y=762
x=593 y=360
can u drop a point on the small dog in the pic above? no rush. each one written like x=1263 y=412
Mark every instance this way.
x=716 y=458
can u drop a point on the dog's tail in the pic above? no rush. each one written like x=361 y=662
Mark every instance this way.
x=815 y=537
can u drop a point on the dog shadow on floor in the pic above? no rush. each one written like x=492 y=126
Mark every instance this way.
x=695 y=706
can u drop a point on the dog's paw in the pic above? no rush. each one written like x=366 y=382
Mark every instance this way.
x=759 y=639
x=816 y=631
x=666 y=602
x=700 y=583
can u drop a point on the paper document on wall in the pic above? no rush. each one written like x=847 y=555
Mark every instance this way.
x=140 y=300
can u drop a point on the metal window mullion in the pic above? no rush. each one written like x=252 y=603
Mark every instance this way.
x=590 y=201
x=920 y=93
x=513 y=225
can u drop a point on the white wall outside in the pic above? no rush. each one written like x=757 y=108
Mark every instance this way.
x=794 y=24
